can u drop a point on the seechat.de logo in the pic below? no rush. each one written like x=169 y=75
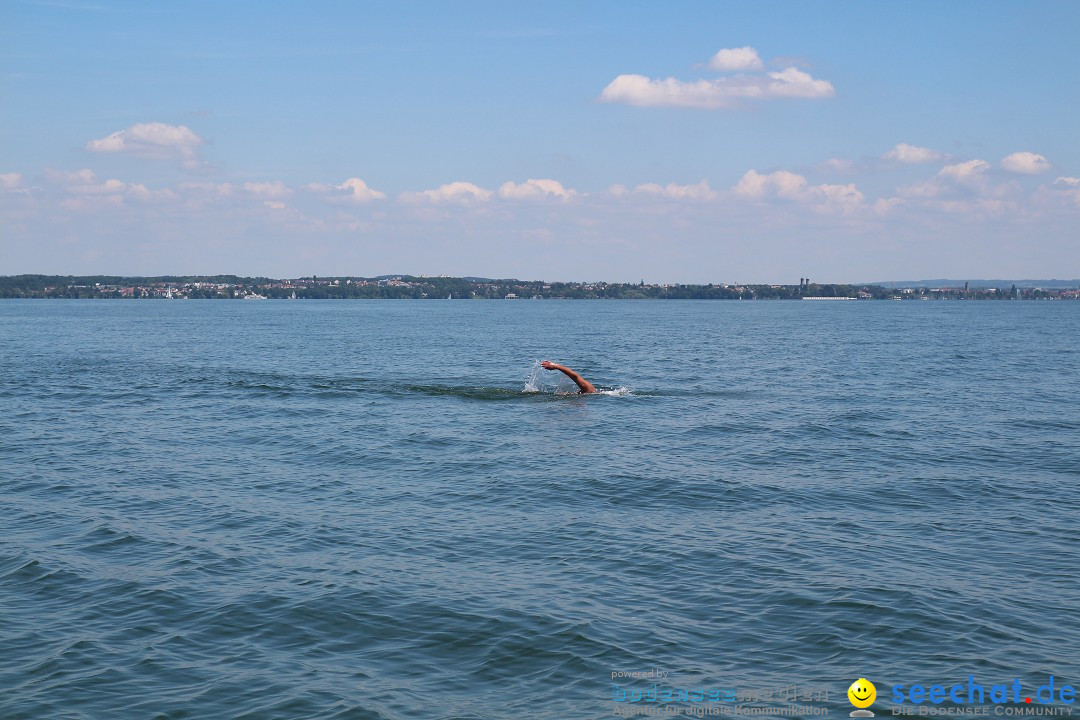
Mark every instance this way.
x=862 y=694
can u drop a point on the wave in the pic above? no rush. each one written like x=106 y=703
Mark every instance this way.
x=281 y=385
x=544 y=382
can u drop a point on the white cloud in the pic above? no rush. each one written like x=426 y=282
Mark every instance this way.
x=455 y=192
x=700 y=191
x=1064 y=187
x=352 y=190
x=883 y=206
x=221 y=190
x=925 y=189
x=85 y=192
x=744 y=58
x=110 y=186
x=531 y=189
x=718 y=93
x=151 y=140
x=793 y=82
x=995 y=208
x=964 y=176
x=71 y=177
x=10 y=181
x=144 y=194
x=84 y=182
x=787 y=216
x=968 y=189
x=792 y=186
x=1026 y=163
x=912 y=154
x=641 y=91
x=276 y=189
x=845 y=198
x=964 y=171
x=780 y=183
x=839 y=165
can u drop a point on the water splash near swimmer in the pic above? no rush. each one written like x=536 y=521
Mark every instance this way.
x=539 y=382
x=535 y=382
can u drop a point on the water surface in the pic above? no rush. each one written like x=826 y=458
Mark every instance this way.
x=351 y=509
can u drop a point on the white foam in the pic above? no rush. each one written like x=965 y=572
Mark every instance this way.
x=539 y=382
x=535 y=382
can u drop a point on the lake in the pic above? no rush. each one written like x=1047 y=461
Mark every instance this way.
x=354 y=509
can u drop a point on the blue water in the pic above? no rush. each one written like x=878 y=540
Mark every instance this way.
x=214 y=509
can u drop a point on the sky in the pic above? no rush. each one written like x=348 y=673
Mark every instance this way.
x=617 y=141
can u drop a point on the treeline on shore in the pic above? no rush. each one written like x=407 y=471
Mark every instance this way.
x=418 y=287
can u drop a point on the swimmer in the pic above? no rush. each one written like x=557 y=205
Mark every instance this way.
x=585 y=385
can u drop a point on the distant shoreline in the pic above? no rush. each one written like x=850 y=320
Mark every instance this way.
x=402 y=287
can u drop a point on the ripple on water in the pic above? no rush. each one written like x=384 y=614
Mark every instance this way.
x=352 y=510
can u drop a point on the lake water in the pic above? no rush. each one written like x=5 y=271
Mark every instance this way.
x=324 y=509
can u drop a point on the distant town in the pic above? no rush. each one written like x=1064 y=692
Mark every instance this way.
x=420 y=287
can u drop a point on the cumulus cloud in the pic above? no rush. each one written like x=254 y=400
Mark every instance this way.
x=110 y=186
x=756 y=205
x=145 y=194
x=643 y=92
x=535 y=189
x=883 y=206
x=208 y=188
x=150 y=140
x=912 y=154
x=1066 y=187
x=10 y=181
x=845 y=198
x=717 y=93
x=82 y=182
x=455 y=192
x=70 y=177
x=359 y=191
x=1026 y=163
x=780 y=183
x=728 y=59
x=967 y=188
x=353 y=190
x=792 y=186
x=700 y=191
x=839 y=165
x=968 y=175
x=275 y=190
x=793 y=82
x=964 y=171
x=86 y=192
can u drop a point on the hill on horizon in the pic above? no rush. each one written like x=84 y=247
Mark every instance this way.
x=974 y=284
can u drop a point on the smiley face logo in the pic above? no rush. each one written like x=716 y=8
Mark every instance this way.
x=862 y=693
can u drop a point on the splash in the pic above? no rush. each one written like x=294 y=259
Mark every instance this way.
x=541 y=381
x=535 y=382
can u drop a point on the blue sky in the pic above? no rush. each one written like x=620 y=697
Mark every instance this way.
x=694 y=142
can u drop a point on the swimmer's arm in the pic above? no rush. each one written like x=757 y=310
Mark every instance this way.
x=582 y=383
